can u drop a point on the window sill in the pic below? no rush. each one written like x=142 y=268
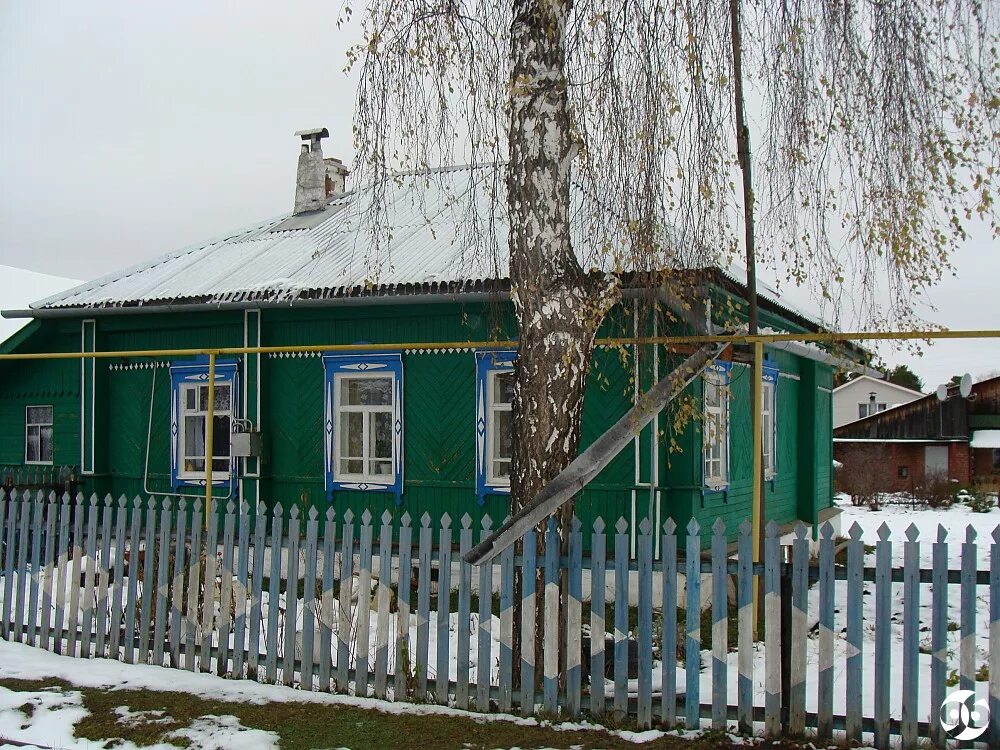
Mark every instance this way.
x=39 y=463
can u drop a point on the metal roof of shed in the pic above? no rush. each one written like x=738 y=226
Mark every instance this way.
x=431 y=246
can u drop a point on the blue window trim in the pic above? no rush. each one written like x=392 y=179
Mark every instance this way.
x=722 y=369
x=487 y=361
x=362 y=362
x=226 y=371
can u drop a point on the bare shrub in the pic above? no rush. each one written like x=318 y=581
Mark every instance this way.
x=863 y=476
x=936 y=490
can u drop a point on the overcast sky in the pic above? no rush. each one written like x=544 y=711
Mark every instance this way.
x=131 y=129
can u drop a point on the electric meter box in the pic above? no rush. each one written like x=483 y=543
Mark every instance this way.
x=245 y=444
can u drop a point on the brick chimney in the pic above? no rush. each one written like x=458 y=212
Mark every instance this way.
x=336 y=176
x=310 y=179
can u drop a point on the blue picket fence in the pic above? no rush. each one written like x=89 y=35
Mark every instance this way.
x=393 y=611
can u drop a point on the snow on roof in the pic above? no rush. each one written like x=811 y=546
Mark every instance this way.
x=328 y=254
x=985 y=439
x=21 y=287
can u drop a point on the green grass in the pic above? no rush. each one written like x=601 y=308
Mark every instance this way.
x=303 y=726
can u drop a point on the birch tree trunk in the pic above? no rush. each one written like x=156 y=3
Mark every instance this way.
x=558 y=306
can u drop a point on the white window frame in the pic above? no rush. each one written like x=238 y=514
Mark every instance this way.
x=367 y=410
x=716 y=414
x=492 y=407
x=865 y=406
x=768 y=424
x=39 y=426
x=182 y=413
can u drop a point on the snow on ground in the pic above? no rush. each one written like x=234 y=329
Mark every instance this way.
x=21 y=288
x=55 y=712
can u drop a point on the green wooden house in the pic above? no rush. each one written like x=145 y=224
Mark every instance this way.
x=409 y=429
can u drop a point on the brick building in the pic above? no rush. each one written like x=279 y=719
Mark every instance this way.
x=958 y=438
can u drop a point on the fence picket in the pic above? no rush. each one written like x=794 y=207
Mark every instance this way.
x=291 y=597
x=309 y=600
x=273 y=596
x=443 y=611
x=550 y=620
x=939 y=629
x=403 y=590
x=772 y=631
x=132 y=593
x=208 y=589
x=176 y=623
x=506 y=700
x=192 y=626
x=463 y=661
x=598 y=629
x=423 y=607
x=227 y=603
x=800 y=634
x=63 y=557
x=147 y=597
x=383 y=598
x=117 y=596
x=103 y=575
x=37 y=523
x=87 y=637
x=645 y=696
x=668 y=665
x=855 y=618
x=824 y=699
x=744 y=637
x=326 y=618
x=692 y=614
x=256 y=590
x=574 y=599
x=621 y=619
x=883 y=635
x=346 y=586
x=911 y=635
x=241 y=592
x=162 y=581
x=484 y=659
x=528 y=584
x=967 y=644
x=48 y=569
x=720 y=625
x=364 y=606
x=22 y=565
x=11 y=504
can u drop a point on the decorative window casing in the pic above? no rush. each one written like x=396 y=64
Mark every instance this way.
x=189 y=413
x=38 y=435
x=494 y=425
x=363 y=422
x=715 y=425
x=769 y=422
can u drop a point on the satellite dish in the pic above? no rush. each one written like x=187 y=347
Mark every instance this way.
x=965 y=385
x=942 y=392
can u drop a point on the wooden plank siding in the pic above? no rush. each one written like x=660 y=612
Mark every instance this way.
x=439 y=416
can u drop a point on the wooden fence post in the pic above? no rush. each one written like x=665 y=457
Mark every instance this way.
x=485 y=629
x=598 y=627
x=550 y=620
x=692 y=615
x=883 y=635
x=443 y=614
x=384 y=596
x=745 y=645
x=506 y=701
x=404 y=656
x=177 y=584
x=363 y=618
x=291 y=597
x=772 y=631
x=855 y=617
x=241 y=592
x=574 y=600
x=528 y=583
x=720 y=625
x=227 y=602
x=257 y=591
x=326 y=620
x=645 y=697
x=668 y=669
x=824 y=699
x=463 y=661
x=911 y=636
x=310 y=601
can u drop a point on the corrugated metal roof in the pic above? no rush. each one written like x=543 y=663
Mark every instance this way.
x=443 y=226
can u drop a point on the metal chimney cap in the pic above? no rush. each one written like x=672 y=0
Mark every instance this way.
x=313 y=133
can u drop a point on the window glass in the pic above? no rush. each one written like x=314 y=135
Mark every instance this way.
x=194 y=418
x=365 y=417
x=500 y=443
x=38 y=435
x=715 y=430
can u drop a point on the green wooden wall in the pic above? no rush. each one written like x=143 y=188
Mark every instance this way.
x=132 y=413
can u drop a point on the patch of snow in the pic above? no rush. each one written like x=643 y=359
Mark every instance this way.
x=21 y=288
x=225 y=732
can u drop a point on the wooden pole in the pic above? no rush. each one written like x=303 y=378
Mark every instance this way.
x=209 y=436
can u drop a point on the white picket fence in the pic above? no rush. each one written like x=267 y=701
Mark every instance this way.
x=321 y=603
